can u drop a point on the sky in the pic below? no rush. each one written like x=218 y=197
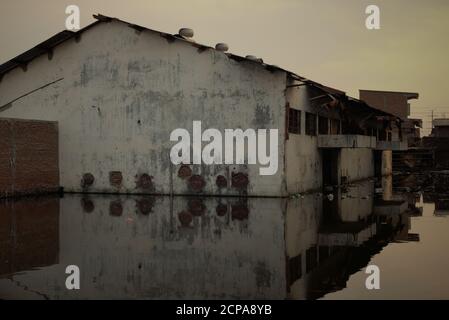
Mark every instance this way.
x=324 y=40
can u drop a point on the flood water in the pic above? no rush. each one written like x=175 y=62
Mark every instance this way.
x=314 y=246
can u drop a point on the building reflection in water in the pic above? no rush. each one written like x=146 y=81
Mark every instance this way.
x=29 y=239
x=196 y=248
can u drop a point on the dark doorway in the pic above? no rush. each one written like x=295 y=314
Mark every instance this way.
x=330 y=159
x=331 y=190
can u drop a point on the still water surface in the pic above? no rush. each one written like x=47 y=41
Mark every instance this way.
x=311 y=247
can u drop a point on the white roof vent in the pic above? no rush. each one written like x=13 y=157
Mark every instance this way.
x=254 y=58
x=223 y=47
x=186 y=32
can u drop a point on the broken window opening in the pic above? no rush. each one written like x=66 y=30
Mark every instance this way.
x=310 y=124
x=294 y=121
x=323 y=125
x=335 y=126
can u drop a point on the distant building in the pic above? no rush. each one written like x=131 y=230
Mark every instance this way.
x=440 y=128
x=441 y=207
x=438 y=141
x=396 y=103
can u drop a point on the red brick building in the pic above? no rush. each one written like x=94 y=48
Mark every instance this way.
x=29 y=158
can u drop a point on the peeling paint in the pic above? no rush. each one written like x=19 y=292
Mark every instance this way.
x=240 y=180
x=184 y=171
x=196 y=183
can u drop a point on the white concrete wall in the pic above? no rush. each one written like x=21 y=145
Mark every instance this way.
x=123 y=93
x=303 y=167
x=356 y=163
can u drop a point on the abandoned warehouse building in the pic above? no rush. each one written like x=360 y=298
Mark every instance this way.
x=117 y=90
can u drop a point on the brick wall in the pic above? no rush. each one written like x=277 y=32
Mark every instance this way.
x=29 y=157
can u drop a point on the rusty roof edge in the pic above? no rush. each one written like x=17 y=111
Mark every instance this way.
x=41 y=48
x=34 y=52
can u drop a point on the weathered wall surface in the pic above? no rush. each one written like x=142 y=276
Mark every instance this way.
x=356 y=163
x=28 y=157
x=121 y=93
x=303 y=166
